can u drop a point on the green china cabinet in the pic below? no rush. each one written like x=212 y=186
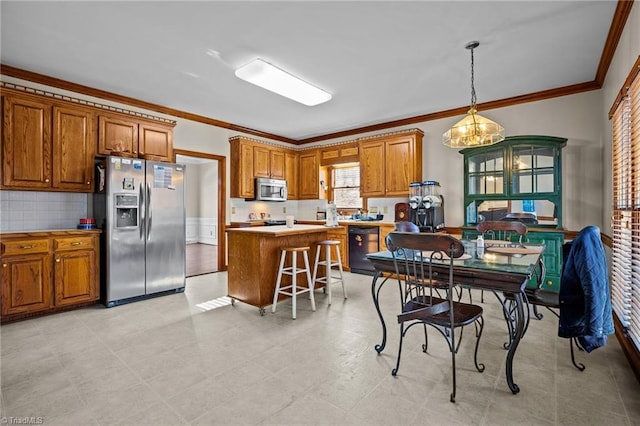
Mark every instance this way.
x=519 y=178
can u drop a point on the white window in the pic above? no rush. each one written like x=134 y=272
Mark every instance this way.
x=346 y=187
x=625 y=279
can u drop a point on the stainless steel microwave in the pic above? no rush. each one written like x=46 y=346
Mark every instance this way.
x=270 y=189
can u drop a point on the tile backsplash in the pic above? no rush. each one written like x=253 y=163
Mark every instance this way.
x=32 y=210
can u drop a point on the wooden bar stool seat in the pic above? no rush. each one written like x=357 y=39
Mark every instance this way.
x=293 y=290
x=329 y=263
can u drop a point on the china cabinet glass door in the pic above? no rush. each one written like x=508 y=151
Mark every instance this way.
x=532 y=170
x=486 y=173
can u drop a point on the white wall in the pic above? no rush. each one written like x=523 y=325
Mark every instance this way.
x=191 y=191
x=625 y=56
x=202 y=202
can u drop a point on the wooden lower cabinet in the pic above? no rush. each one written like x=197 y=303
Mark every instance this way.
x=43 y=272
x=75 y=280
x=26 y=284
x=340 y=234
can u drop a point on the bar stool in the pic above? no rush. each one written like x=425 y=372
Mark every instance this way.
x=329 y=278
x=293 y=270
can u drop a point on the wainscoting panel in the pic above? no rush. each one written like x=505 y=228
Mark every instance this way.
x=202 y=230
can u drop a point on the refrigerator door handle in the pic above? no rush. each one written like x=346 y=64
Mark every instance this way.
x=149 y=212
x=141 y=206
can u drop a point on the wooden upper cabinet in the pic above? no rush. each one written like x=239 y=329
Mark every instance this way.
x=27 y=145
x=261 y=161
x=372 y=168
x=251 y=159
x=117 y=136
x=339 y=154
x=268 y=162
x=128 y=137
x=73 y=148
x=156 y=142
x=276 y=160
x=242 y=178
x=388 y=164
x=309 y=184
x=403 y=165
x=291 y=167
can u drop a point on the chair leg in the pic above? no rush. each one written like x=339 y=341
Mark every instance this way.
x=315 y=265
x=452 y=397
x=580 y=366
x=426 y=339
x=294 y=288
x=327 y=268
x=344 y=289
x=479 y=324
x=278 y=281
x=310 y=282
x=537 y=314
x=402 y=331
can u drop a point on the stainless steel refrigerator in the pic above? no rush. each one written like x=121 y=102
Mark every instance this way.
x=140 y=207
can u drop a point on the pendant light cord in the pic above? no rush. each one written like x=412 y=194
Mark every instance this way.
x=473 y=89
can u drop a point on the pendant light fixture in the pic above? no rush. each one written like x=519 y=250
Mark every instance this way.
x=473 y=130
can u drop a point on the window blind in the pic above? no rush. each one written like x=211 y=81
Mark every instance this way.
x=625 y=275
x=346 y=187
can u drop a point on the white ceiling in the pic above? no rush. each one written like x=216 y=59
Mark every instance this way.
x=381 y=61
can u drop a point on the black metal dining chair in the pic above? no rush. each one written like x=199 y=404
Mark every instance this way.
x=412 y=227
x=540 y=297
x=428 y=258
x=553 y=301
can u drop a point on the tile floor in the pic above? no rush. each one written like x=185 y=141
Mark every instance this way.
x=177 y=360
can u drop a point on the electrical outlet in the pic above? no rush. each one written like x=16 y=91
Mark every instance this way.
x=233 y=210
x=211 y=233
x=284 y=210
x=385 y=209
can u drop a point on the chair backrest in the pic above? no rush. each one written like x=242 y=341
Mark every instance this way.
x=406 y=227
x=414 y=255
x=585 y=300
x=502 y=230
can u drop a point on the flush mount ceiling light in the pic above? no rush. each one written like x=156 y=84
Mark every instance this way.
x=272 y=78
x=473 y=130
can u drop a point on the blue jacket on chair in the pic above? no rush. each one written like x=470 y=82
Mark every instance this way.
x=585 y=303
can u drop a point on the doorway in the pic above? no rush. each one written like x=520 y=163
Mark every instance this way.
x=205 y=208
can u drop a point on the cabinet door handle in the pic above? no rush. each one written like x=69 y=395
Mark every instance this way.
x=4 y=265
x=135 y=152
x=75 y=243
x=57 y=260
x=26 y=247
x=46 y=180
x=89 y=182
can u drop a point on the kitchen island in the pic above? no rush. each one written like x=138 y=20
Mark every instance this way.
x=254 y=257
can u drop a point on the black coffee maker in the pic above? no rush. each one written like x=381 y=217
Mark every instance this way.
x=426 y=206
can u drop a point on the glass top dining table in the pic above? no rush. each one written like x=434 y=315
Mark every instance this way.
x=500 y=267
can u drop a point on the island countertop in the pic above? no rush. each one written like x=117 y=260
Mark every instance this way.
x=282 y=230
